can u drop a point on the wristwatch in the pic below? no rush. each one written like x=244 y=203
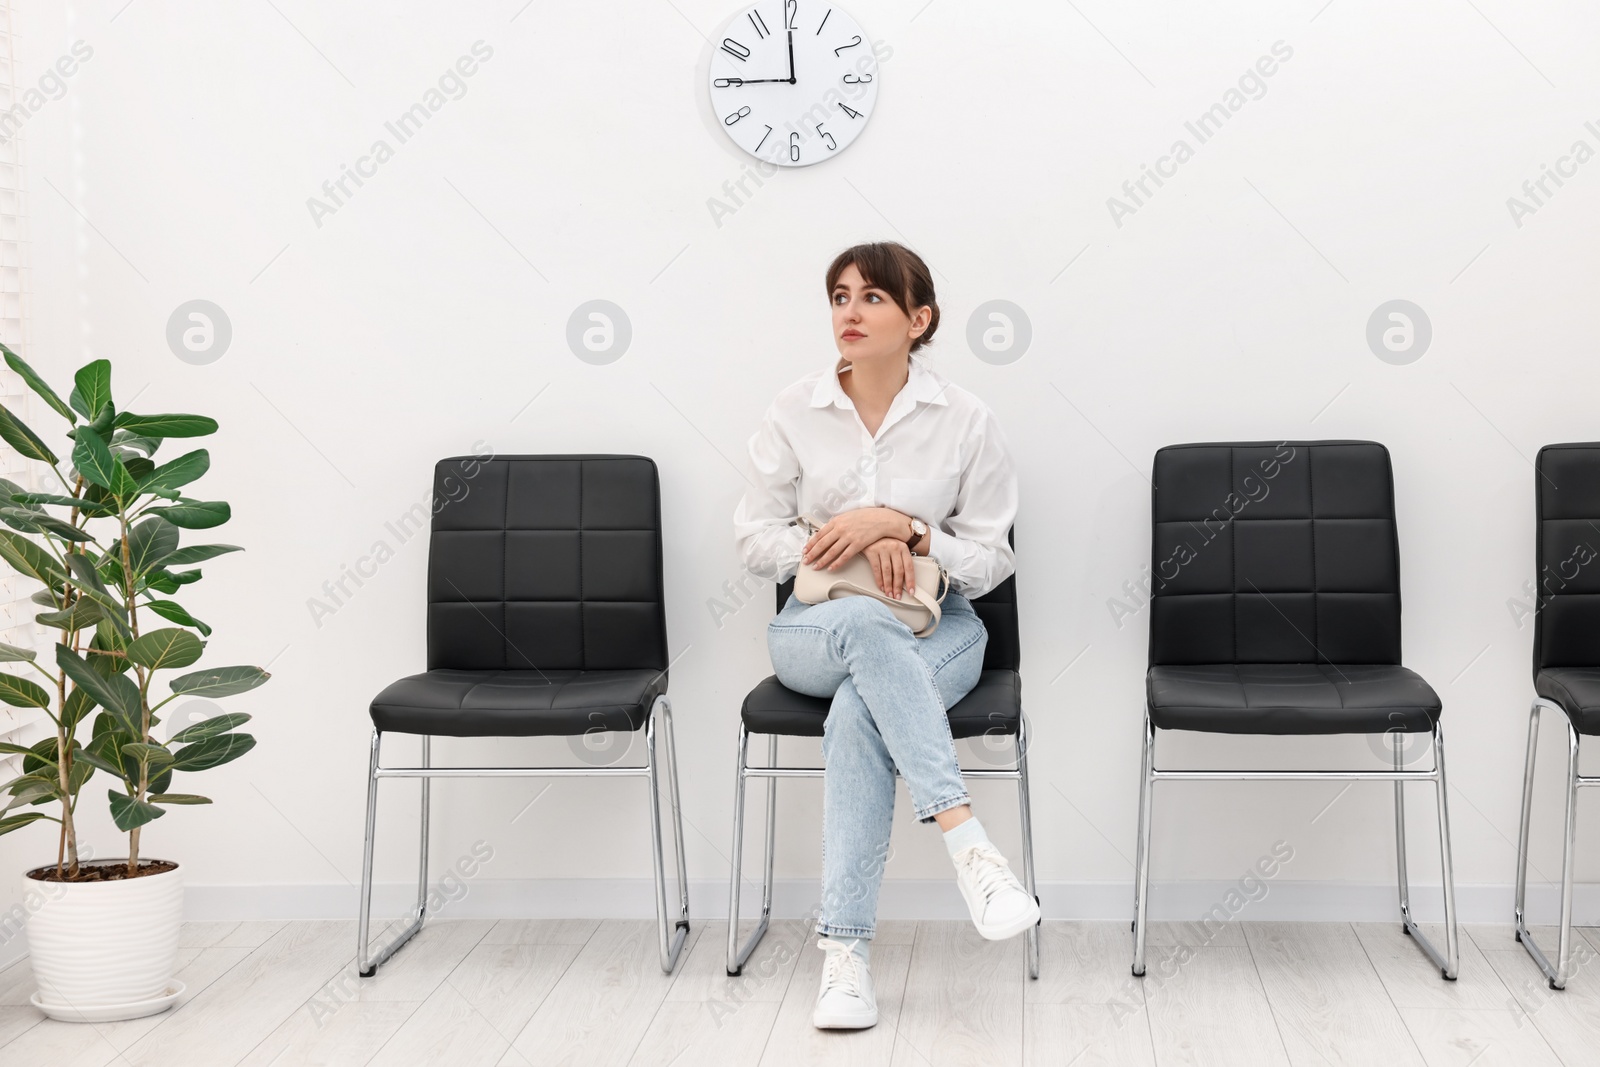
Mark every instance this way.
x=919 y=530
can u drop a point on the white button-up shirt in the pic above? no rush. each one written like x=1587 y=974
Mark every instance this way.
x=939 y=456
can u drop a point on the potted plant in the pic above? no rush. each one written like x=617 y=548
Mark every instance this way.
x=105 y=549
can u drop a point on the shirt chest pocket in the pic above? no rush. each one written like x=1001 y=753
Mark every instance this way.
x=929 y=499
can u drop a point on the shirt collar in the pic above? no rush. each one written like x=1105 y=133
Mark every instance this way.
x=922 y=382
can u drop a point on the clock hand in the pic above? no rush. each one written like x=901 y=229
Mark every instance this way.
x=791 y=57
x=725 y=83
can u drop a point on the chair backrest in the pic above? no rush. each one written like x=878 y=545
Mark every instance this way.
x=998 y=610
x=546 y=562
x=1267 y=552
x=1567 y=609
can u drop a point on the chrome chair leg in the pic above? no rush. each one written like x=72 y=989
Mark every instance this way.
x=1558 y=974
x=1448 y=962
x=737 y=955
x=1141 y=872
x=1025 y=806
x=365 y=967
x=669 y=951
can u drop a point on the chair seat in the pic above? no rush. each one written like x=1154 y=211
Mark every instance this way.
x=994 y=704
x=1290 y=698
x=517 y=703
x=1577 y=690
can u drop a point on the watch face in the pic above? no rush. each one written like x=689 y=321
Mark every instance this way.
x=793 y=81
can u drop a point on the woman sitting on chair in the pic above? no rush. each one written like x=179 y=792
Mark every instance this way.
x=889 y=460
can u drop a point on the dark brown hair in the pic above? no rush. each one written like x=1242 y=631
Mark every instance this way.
x=896 y=270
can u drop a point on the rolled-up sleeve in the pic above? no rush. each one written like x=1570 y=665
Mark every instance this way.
x=971 y=543
x=763 y=524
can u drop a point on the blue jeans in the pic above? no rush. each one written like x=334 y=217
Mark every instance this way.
x=890 y=693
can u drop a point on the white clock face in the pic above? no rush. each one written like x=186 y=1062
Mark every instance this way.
x=793 y=81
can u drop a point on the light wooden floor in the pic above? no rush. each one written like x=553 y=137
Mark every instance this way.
x=518 y=992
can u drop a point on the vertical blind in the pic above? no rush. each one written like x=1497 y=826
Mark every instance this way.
x=17 y=725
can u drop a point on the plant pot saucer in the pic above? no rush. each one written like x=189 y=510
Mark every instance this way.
x=105 y=1013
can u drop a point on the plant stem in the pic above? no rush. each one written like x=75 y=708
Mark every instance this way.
x=144 y=698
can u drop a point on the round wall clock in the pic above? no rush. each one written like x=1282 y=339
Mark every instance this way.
x=793 y=81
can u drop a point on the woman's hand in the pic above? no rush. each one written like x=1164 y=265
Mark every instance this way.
x=850 y=532
x=891 y=566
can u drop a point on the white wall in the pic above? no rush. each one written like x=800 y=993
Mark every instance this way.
x=428 y=311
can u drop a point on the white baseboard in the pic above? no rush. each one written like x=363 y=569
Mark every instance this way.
x=796 y=898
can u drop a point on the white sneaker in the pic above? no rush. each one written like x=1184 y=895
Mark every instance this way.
x=846 y=1000
x=1000 y=906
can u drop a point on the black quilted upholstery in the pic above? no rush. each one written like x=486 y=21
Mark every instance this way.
x=1566 y=629
x=1275 y=591
x=545 y=611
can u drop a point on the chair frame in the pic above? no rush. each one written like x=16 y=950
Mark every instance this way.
x=1557 y=975
x=1448 y=963
x=670 y=944
x=737 y=956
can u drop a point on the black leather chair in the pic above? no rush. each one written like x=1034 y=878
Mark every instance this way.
x=1566 y=655
x=1275 y=609
x=993 y=707
x=545 y=617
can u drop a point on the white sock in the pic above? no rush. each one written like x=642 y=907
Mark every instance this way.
x=965 y=835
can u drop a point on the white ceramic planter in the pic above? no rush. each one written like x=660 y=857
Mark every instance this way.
x=105 y=950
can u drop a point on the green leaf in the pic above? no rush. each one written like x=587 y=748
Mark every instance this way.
x=96 y=463
x=129 y=439
x=22 y=693
x=104 y=750
x=150 y=542
x=128 y=812
x=42 y=756
x=178 y=798
x=172 y=611
x=161 y=580
x=195 y=514
x=29 y=559
x=88 y=507
x=83 y=614
x=156 y=756
x=90 y=585
x=30 y=789
x=93 y=388
x=37 y=384
x=161 y=782
x=17 y=821
x=181 y=471
x=220 y=681
x=217 y=724
x=31 y=521
x=212 y=752
x=199 y=554
x=167 y=648
x=115 y=693
x=79 y=703
x=24 y=440
x=10 y=490
x=167 y=425
x=13 y=654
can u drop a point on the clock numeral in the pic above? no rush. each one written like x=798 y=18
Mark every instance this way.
x=827 y=137
x=763 y=139
x=736 y=116
x=851 y=79
x=823 y=23
x=759 y=23
x=847 y=111
x=792 y=9
x=735 y=49
x=794 y=147
x=842 y=47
